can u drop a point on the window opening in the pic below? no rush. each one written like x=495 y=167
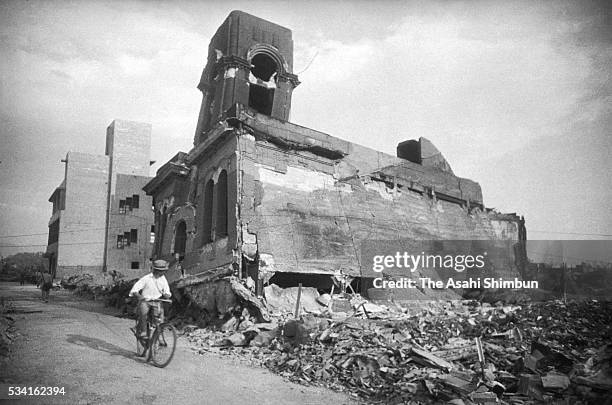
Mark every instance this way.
x=180 y=238
x=208 y=211
x=262 y=83
x=221 y=225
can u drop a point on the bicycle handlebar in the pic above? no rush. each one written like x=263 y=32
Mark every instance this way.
x=159 y=300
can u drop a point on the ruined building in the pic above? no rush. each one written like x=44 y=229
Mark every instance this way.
x=258 y=196
x=102 y=220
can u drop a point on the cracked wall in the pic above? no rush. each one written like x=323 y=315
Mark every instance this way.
x=309 y=216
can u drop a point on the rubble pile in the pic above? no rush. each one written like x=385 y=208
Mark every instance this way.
x=93 y=292
x=458 y=352
x=113 y=295
x=78 y=280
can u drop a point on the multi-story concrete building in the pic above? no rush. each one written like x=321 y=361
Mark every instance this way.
x=260 y=197
x=102 y=220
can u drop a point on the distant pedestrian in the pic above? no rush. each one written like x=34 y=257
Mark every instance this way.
x=46 y=284
x=22 y=278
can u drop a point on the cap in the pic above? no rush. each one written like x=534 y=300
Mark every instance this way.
x=160 y=265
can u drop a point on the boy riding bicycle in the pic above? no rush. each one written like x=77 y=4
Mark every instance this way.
x=150 y=287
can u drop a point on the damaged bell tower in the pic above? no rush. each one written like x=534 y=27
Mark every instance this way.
x=264 y=200
x=250 y=62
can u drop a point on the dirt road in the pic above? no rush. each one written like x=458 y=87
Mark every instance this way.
x=69 y=343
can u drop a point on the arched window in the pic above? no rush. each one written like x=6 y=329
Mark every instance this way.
x=208 y=212
x=180 y=238
x=262 y=83
x=221 y=225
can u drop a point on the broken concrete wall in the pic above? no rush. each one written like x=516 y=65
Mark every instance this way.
x=424 y=153
x=432 y=157
x=305 y=201
x=215 y=297
x=304 y=215
x=350 y=160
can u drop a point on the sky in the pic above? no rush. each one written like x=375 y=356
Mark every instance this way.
x=515 y=94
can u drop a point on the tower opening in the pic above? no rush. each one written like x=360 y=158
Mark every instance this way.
x=263 y=67
x=262 y=81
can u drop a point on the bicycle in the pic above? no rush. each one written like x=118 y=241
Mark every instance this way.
x=160 y=341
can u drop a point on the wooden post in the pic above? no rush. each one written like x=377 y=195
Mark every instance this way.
x=481 y=357
x=365 y=311
x=297 y=304
x=564 y=278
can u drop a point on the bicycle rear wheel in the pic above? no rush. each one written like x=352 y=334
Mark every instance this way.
x=163 y=345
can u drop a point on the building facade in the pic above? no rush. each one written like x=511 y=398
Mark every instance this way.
x=101 y=219
x=258 y=196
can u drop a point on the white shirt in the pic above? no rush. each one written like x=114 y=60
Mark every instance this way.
x=152 y=288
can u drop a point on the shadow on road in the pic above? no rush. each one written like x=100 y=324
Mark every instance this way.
x=100 y=345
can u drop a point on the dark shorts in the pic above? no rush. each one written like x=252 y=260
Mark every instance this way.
x=46 y=286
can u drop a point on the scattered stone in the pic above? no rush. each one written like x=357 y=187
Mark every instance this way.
x=264 y=339
x=484 y=398
x=237 y=339
x=530 y=385
x=555 y=381
x=230 y=324
x=249 y=299
x=295 y=331
x=324 y=299
x=284 y=299
x=430 y=359
x=426 y=354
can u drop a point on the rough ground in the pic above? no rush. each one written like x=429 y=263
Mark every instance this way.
x=427 y=352
x=79 y=345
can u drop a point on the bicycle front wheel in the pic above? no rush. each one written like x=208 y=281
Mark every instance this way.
x=141 y=346
x=163 y=345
